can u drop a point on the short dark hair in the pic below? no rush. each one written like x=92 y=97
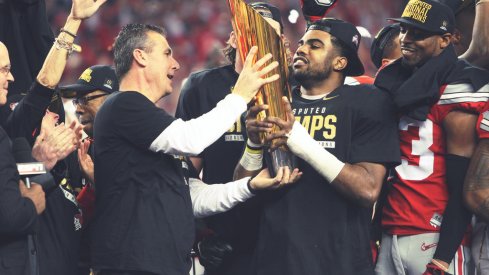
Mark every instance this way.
x=341 y=49
x=132 y=36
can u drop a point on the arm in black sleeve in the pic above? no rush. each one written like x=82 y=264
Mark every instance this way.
x=26 y=118
x=456 y=217
x=17 y=214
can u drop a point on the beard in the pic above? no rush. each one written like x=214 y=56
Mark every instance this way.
x=310 y=77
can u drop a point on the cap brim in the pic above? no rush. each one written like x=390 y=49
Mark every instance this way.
x=415 y=24
x=74 y=90
x=355 y=66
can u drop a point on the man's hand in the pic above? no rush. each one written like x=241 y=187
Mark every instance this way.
x=432 y=269
x=55 y=143
x=285 y=126
x=264 y=181
x=213 y=251
x=82 y=9
x=255 y=126
x=253 y=76
x=86 y=163
x=35 y=194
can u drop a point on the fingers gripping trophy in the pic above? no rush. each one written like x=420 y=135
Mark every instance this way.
x=251 y=29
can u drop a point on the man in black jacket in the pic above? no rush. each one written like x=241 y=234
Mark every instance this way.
x=19 y=206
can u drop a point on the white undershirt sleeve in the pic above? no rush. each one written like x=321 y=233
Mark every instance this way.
x=308 y=149
x=210 y=199
x=193 y=136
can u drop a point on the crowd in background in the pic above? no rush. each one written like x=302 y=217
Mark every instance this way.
x=198 y=30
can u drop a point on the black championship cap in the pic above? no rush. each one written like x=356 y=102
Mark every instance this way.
x=98 y=77
x=383 y=37
x=348 y=35
x=268 y=11
x=428 y=15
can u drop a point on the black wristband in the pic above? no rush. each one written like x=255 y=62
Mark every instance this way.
x=68 y=33
x=252 y=191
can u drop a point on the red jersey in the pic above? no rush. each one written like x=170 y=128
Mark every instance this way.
x=418 y=196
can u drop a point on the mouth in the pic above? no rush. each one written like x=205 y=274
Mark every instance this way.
x=170 y=76
x=407 y=50
x=300 y=61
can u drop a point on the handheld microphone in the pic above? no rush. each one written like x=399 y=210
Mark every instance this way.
x=30 y=169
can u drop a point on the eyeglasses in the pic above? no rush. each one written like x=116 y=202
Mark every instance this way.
x=83 y=101
x=6 y=69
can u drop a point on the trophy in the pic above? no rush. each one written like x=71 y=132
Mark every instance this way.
x=251 y=29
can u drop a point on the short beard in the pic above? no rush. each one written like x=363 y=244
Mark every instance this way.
x=310 y=79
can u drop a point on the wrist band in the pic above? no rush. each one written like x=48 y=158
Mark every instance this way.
x=252 y=158
x=253 y=145
x=438 y=264
x=305 y=147
x=252 y=191
x=68 y=33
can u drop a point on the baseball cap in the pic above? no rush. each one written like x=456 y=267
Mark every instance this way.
x=98 y=77
x=268 y=11
x=428 y=15
x=348 y=35
x=380 y=42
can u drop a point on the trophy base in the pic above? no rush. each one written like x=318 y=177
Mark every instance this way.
x=280 y=157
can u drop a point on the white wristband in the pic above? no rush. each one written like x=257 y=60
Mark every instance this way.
x=252 y=158
x=305 y=147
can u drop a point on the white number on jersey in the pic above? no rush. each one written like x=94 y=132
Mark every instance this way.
x=418 y=148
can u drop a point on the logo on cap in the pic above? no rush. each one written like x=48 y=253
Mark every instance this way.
x=417 y=10
x=108 y=83
x=444 y=25
x=355 y=40
x=86 y=75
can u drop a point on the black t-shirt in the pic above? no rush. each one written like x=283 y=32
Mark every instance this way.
x=143 y=213
x=309 y=227
x=200 y=94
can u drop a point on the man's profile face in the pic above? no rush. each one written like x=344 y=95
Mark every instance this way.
x=314 y=56
x=5 y=74
x=161 y=65
x=418 y=46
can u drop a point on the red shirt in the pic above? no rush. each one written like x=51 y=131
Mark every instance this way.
x=419 y=195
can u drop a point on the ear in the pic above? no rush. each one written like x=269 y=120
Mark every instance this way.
x=340 y=63
x=445 y=40
x=232 y=40
x=140 y=57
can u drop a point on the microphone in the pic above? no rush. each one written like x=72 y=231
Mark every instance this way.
x=30 y=169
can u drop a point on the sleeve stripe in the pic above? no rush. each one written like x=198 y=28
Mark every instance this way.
x=465 y=95
x=486 y=115
x=485 y=125
x=458 y=88
x=461 y=100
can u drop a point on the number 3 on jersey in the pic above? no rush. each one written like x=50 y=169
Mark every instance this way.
x=416 y=140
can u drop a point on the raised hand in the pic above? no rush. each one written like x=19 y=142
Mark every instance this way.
x=284 y=177
x=55 y=142
x=86 y=162
x=82 y=9
x=252 y=77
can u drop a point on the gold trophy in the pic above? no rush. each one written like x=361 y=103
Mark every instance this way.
x=251 y=29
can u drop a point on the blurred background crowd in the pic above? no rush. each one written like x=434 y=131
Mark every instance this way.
x=199 y=29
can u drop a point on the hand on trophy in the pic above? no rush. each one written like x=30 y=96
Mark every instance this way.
x=285 y=126
x=255 y=126
x=253 y=76
x=284 y=177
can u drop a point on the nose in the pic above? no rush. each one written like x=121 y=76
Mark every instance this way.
x=176 y=65
x=10 y=77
